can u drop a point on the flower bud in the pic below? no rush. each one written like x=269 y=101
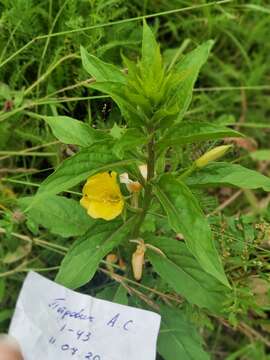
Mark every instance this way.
x=134 y=186
x=212 y=155
x=138 y=261
x=111 y=259
x=122 y=264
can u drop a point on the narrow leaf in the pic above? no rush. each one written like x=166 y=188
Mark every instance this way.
x=99 y=69
x=119 y=93
x=179 y=338
x=116 y=293
x=184 y=274
x=195 y=131
x=71 y=131
x=79 y=167
x=222 y=173
x=151 y=66
x=188 y=68
x=82 y=260
x=131 y=139
x=59 y=215
x=260 y=155
x=186 y=217
x=150 y=47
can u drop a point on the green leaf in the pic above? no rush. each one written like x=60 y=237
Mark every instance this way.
x=186 y=217
x=82 y=260
x=150 y=48
x=6 y=314
x=184 y=274
x=195 y=131
x=79 y=167
x=260 y=155
x=151 y=62
x=131 y=139
x=99 y=69
x=179 y=338
x=117 y=131
x=120 y=94
x=188 y=70
x=120 y=296
x=151 y=66
x=71 y=131
x=116 y=293
x=2 y=289
x=5 y=91
x=60 y=215
x=222 y=173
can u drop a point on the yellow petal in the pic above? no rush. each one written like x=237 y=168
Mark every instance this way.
x=85 y=202
x=101 y=184
x=105 y=210
x=102 y=196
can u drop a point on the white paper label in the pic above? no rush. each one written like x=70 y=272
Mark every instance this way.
x=52 y=322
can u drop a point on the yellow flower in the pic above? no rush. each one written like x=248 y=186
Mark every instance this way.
x=102 y=197
x=212 y=155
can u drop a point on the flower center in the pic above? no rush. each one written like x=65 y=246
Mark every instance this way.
x=113 y=198
x=105 y=198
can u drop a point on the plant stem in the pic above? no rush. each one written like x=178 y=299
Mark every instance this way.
x=148 y=186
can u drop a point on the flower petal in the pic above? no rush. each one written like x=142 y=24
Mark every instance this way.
x=85 y=202
x=143 y=170
x=102 y=196
x=105 y=210
x=101 y=184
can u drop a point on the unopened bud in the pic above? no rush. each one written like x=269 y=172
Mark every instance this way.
x=134 y=186
x=111 y=259
x=212 y=155
x=138 y=261
x=122 y=264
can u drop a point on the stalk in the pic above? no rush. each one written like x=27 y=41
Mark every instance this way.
x=148 y=186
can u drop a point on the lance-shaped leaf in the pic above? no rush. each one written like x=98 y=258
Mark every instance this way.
x=71 y=131
x=188 y=69
x=79 y=167
x=179 y=338
x=99 y=69
x=185 y=216
x=195 y=131
x=184 y=274
x=151 y=66
x=222 y=173
x=260 y=155
x=82 y=260
x=150 y=49
x=120 y=94
x=61 y=216
x=116 y=293
x=131 y=139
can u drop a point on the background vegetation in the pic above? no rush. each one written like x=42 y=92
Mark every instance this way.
x=41 y=72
